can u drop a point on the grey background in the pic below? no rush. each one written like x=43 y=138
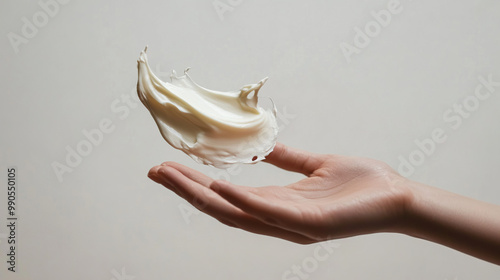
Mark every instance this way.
x=107 y=220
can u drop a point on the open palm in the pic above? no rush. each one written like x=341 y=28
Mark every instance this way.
x=340 y=197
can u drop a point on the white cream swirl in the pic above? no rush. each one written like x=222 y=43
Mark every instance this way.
x=213 y=127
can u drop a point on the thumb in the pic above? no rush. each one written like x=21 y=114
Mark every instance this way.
x=295 y=160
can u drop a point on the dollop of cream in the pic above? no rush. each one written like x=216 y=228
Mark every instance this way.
x=213 y=127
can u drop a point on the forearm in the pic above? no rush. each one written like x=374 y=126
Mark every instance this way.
x=461 y=223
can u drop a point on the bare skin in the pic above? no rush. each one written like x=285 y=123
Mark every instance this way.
x=340 y=197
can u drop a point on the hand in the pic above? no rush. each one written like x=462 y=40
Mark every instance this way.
x=340 y=197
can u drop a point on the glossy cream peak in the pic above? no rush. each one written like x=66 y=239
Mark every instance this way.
x=213 y=127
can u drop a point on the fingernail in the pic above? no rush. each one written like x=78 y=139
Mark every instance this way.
x=215 y=186
x=163 y=174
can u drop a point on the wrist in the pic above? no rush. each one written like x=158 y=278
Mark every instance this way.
x=407 y=193
x=412 y=223
x=412 y=203
x=428 y=212
x=452 y=220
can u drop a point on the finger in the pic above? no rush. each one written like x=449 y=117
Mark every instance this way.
x=190 y=173
x=253 y=225
x=286 y=216
x=155 y=176
x=293 y=159
x=207 y=201
x=194 y=192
